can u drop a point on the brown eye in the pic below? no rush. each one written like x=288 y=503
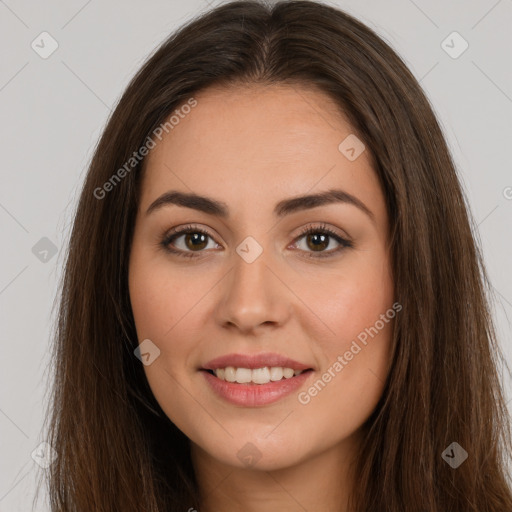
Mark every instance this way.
x=318 y=238
x=187 y=242
x=317 y=242
x=196 y=241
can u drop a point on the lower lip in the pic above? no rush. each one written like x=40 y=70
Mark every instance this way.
x=252 y=395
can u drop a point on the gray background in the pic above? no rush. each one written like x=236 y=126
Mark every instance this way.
x=53 y=111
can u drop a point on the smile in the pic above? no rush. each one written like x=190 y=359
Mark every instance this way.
x=251 y=380
x=255 y=376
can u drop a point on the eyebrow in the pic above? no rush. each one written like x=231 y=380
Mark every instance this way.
x=282 y=208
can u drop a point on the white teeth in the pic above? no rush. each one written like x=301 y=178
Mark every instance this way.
x=243 y=375
x=288 y=373
x=260 y=375
x=229 y=374
x=276 y=373
x=256 y=376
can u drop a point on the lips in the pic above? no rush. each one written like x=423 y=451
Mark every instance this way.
x=255 y=361
x=250 y=394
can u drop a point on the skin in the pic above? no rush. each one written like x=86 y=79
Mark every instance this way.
x=251 y=147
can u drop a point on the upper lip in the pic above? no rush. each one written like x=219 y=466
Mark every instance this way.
x=252 y=361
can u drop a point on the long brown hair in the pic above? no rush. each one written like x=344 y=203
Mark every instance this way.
x=117 y=450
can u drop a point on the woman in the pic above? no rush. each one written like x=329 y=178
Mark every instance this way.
x=273 y=299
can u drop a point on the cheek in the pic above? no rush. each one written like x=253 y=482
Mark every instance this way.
x=353 y=299
x=163 y=298
x=357 y=307
x=168 y=309
x=163 y=310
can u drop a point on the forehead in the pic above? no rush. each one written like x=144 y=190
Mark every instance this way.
x=255 y=145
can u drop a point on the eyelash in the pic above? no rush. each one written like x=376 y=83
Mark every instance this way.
x=191 y=229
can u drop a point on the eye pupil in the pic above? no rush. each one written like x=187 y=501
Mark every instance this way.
x=195 y=237
x=323 y=242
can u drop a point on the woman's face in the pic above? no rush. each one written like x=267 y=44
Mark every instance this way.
x=254 y=290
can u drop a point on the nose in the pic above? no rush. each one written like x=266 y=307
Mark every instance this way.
x=253 y=295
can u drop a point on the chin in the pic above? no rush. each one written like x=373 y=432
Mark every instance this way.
x=262 y=455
